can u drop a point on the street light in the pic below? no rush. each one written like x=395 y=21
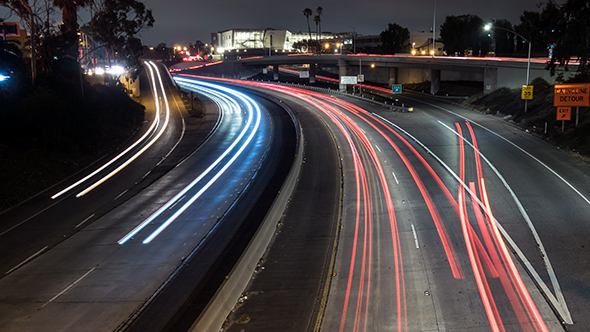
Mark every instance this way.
x=489 y=27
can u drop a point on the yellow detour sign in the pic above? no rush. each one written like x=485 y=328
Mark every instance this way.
x=571 y=95
x=564 y=113
x=527 y=92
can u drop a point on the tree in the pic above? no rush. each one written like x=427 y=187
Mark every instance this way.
x=117 y=23
x=70 y=12
x=316 y=19
x=569 y=35
x=462 y=33
x=541 y=29
x=395 y=39
x=200 y=46
x=28 y=14
x=307 y=13
x=320 y=10
x=503 y=39
x=12 y=65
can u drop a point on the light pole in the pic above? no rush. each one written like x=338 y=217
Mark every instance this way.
x=434 y=30
x=353 y=37
x=489 y=27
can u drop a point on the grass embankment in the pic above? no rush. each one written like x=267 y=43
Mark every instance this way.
x=53 y=131
x=540 y=112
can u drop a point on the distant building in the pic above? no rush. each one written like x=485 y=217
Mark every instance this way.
x=12 y=31
x=236 y=40
x=421 y=42
x=261 y=41
x=368 y=44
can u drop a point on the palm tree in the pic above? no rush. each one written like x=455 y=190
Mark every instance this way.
x=69 y=14
x=316 y=19
x=307 y=13
x=319 y=10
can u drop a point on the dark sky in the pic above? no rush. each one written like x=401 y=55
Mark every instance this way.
x=184 y=21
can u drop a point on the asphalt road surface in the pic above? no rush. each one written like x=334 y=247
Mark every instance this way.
x=451 y=221
x=81 y=262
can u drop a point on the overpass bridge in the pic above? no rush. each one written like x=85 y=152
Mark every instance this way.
x=402 y=69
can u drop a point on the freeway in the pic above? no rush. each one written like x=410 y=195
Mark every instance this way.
x=128 y=226
x=451 y=221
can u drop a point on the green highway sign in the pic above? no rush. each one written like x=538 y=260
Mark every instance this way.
x=396 y=88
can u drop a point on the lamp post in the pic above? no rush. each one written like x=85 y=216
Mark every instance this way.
x=434 y=30
x=489 y=27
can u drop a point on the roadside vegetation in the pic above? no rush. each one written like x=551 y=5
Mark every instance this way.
x=540 y=118
x=53 y=122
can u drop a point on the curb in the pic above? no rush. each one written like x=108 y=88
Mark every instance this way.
x=224 y=300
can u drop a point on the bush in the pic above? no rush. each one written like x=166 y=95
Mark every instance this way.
x=55 y=116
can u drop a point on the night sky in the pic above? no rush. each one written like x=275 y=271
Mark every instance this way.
x=184 y=21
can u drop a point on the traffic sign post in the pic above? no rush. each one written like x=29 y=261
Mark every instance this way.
x=564 y=114
x=567 y=96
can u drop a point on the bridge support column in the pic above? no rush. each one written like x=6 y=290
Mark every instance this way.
x=434 y=81
x=490 y=79
x=393 y=76
x=312 y=73
x=275 y=72
x=342 y=72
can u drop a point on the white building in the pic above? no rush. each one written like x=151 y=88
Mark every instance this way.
x=277 y=40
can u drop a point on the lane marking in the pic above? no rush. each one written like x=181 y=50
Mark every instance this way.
x=83 y=221
x=415 y=236
x=27 y=260
x=121 y=194
x=516 y=146
x=31 y=217
x=539 y=243
x=68 y=288
x=150 y=143
x=148 y=133
x=395 y=177
x=561 y=307
x=377 y=147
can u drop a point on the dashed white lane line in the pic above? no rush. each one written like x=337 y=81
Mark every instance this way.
x=27 y=260
x=69 y=287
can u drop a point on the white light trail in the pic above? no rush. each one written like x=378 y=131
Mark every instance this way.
x=141 y=139
x=147 y=146
x=251 y=107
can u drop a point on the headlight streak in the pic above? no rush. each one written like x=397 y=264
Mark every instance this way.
x=251 y=106
x=141 y=139
x=147 y=146
x=478 y=256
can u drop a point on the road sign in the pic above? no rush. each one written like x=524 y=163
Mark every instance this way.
x=564 y=113
x=361 y=78
x=571 y=95
x=396 y=88
x=527 y=92
x=348 y=80
x=304 y=74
